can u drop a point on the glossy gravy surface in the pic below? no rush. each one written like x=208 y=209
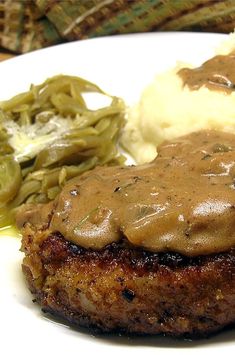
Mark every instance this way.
x=218 y=73
x=184 y=201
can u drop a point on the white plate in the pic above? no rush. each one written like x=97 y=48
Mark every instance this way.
x=122 y=66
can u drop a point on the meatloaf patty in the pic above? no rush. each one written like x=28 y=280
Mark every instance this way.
x=147 y=249
x=130 y=290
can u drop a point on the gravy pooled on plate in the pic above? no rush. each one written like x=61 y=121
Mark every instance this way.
x=184 y=201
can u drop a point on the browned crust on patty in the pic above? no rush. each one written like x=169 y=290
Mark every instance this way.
x=121 y=288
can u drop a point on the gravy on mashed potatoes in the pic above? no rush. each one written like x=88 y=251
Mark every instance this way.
x=183 y=100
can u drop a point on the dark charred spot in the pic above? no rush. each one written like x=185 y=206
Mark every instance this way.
x=187 y=232
x=120 y=279
x=128 y=294
x=74 y=249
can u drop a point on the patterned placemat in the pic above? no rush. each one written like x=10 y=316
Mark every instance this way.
x=26 y=25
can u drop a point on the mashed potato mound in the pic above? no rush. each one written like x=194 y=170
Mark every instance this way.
x=167 y=109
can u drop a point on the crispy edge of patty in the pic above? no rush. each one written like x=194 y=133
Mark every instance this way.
x=125 y=289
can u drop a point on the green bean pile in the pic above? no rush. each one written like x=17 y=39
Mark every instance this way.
x=48 y=135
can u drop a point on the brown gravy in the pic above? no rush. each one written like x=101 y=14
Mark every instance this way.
x=218 y=73
x=184 y=201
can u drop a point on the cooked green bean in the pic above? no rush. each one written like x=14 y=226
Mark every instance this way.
x=59 y=153
x=17 y=101
x=49 y=135
x=10 y=178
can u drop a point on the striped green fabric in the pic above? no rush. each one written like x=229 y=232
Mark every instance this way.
x=30 y=24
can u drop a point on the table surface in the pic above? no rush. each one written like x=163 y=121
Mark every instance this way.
x=4 y=56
